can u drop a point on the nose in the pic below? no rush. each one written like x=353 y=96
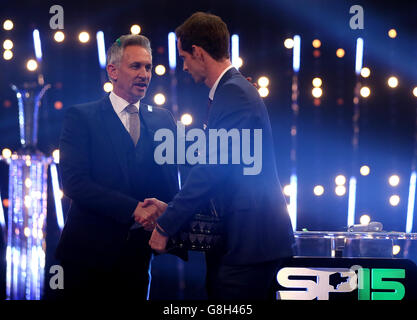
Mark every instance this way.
x=143 y=73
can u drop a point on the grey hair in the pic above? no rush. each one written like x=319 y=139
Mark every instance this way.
x=115 y=52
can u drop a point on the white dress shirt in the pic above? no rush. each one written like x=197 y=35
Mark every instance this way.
x=214 y=87
x=119 y=104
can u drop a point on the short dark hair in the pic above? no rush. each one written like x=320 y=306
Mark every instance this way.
x=207 y=31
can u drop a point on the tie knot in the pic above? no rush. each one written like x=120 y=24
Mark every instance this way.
x=131 y=109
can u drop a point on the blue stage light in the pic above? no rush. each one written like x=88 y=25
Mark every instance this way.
x=2 y=220
x=235 y=51
x=296 y=53
x=351 y=201
x=293 y=201
x=411 y=201
x=37 y=44
x=172 y=53
x=101 y=49
x=359 y=55
x=57 y=196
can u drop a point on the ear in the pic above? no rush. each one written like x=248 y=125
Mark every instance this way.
x=112 y=71
x=197 y=52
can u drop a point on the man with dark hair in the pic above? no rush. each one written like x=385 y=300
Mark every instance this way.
x=107 y=169
x=258 y=234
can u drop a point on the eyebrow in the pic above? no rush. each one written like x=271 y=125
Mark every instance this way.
x=140 y=63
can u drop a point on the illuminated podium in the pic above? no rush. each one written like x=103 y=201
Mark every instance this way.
x=350 y=266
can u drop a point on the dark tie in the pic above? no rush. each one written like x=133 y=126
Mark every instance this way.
x=134 y=123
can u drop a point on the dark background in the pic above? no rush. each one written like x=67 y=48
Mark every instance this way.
x=324 y=145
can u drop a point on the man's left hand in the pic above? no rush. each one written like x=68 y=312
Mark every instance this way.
x=158 y=242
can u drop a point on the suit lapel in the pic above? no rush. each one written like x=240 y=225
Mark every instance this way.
x=229 y=74
x=153 y=123
x=119 y=137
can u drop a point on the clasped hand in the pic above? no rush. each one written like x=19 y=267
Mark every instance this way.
x=148 y=211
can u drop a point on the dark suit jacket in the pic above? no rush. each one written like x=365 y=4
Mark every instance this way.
x=95 y=176
x=258 y=226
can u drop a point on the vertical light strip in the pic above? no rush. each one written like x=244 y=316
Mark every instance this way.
x=352 y=201
x=293 y=201
x=179 y=180
x=359 y=55
x=172 y=53
x=37 y=44
x=411 y=202
x=2 y=219
x=235 y=51
x=296 y=53
x=57 y=196
x=101 y=49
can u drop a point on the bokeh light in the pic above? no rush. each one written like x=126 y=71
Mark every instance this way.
x=365 y=170
x=84 y=37
x=135 y=29
x=340 y=53
x=317 y=92
x=394 y=200
x=160 y=70
x=317 y=82
x=59 y=36
x=31 y=65
x=340 y=180
x=365 y=92
x=394 y=180
x=263 y=92
x=159 y=99
x=8 y=25
x=289 y=43
x=340 y=190
x=316 y=43
x=186 y=119
x=365 y=72
x=108 y=86
x=392 y=82
x=318 y=190
x=263 y=81
x=392 y=33
x=365 y=219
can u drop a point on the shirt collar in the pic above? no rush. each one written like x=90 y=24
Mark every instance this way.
x=119 y=104
x=214 y=87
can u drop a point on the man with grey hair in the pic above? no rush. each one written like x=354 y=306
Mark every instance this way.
x=107 y=170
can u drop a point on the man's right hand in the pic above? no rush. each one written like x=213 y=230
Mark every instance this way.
x=146 y=216
x=162 y=206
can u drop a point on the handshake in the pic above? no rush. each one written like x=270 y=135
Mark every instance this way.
x=148 y=211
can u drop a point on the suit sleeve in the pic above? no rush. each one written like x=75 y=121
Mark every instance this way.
x=229 y=110
x=75 y=166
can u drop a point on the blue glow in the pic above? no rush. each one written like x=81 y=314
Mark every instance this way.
x=359 y=55
x=101 y=49
x=293 y=201
x=172 y=53
x=21 y=114
x=57 y=198
x=235 y=51
x=179 y=179
x=2 y=220
x=352 y=201
x=37 y=44
x=411 y=201
x=296 y=53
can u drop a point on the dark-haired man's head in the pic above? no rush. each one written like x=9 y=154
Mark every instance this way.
x=203 y=41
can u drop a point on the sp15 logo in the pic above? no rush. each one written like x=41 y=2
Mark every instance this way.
x=348 y=281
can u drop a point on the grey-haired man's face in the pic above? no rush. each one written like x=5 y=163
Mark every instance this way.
x=131 y=77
